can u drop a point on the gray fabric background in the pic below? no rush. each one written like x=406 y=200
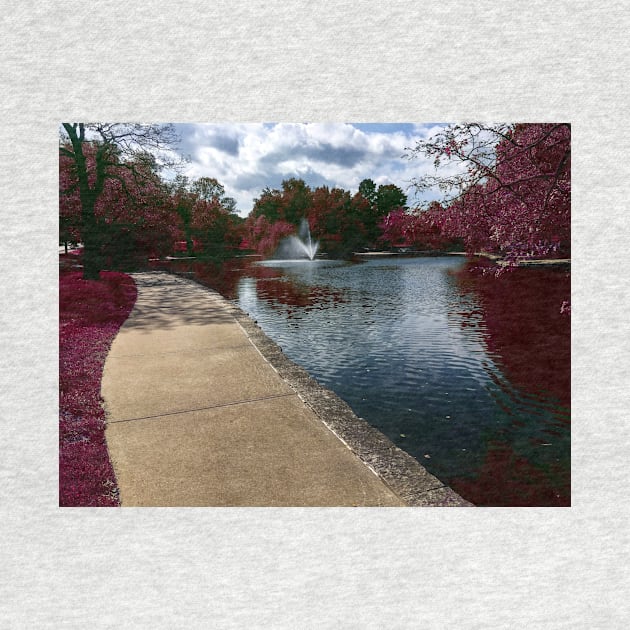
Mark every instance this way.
x=299 y=61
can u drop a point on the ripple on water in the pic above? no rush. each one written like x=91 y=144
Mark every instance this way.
x=410 y=352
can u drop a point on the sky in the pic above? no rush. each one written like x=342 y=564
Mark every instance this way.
x=246 y=158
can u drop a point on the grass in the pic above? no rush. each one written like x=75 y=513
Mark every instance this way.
x=90 y=315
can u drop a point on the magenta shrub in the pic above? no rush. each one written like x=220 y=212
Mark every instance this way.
x=90 y=315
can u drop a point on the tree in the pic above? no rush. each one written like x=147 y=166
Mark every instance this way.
x=388 y=197
x=297 y=200
x=69 y=207
x=101 y=153
x=183 y=203
x=269 y=205
x=133 y=216
x=335 y=221
x=397 y=229
x=380 y=202
x=367 y=189
x=210 y=189
x=469 y=147
x=511 y=191
x=206 y=214
x=421 y=229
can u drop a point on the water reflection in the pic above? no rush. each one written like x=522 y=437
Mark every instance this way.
x=529 y=342
x=522 y=325
x=469 y=374
x=285 y=294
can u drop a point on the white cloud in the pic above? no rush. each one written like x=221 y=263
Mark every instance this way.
x=246 y=158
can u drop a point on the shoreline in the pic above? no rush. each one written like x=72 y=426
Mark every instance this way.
x=528 y=262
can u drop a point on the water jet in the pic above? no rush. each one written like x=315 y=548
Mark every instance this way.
x=298 y=246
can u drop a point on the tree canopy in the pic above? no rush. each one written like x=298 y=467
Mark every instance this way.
x=511 y=192
x=110 y=173
x=343 y=223
x=114 y=200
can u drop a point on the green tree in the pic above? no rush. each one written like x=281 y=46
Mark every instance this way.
x=367 y=189
x=380 y=202
x=183 y=203
x=209 y=189
x=297 y=197
x=268 y=205
x=388 y=198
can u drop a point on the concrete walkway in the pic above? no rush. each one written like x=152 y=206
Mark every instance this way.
x=198 y=417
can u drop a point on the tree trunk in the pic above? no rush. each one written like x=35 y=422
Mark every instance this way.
x=190 y=249
x=92 y=259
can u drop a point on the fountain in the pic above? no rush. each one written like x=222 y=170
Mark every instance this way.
x=299 y=246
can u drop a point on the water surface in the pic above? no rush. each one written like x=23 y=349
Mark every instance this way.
x=467 y=373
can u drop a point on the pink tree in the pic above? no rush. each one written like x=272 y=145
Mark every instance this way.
x=270 y=240
x=512 y=192
x=422 y=229
x=96 y=155
x=131 y=216
x=398 y=228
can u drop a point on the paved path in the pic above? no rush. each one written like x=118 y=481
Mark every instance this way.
x=197 y=416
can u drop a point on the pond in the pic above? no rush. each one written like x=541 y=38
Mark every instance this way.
x=466 y=372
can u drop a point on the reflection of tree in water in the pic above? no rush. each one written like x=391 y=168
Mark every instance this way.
x=518 y=317
x=272 y=283
x=509 y=479
x=282 y=292
x=522 y=326
x=221 y=276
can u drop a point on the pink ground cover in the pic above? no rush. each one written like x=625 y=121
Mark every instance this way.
x=90 y=315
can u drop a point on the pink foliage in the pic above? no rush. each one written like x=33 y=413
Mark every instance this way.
x=517 y=204
x=398 y=228
x=205 y=213
x=267 y=237
x=420 y=229
x=131 y=198
x=524 y=207
x=90 y=315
